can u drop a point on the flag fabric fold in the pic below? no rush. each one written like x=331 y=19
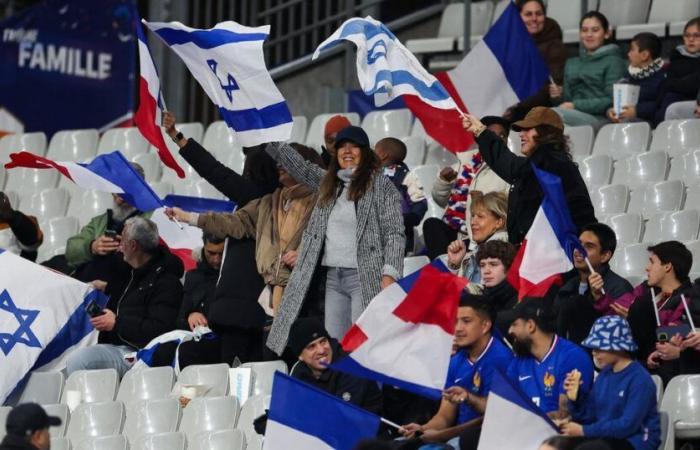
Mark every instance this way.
x=228 y=62
x=302 y=417
x=404 y=337
x=547 y=251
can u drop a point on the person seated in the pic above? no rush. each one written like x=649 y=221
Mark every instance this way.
x=588 y=78
x=575 y=301
x=488 y=223
x=330 y=131
x=27 y=427
x=145 y=308
x=646 y=70
x=315 y=349
x=19 y=234
x=667 y=279
x=479 y=356
x=621 y=407
x=494 y=258
x=683 y=74
x=452 y=190
x=547 y=35
x=543 y=359
x=391 y=153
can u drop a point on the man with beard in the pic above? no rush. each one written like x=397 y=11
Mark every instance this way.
x=544 y=359
x=469 y=376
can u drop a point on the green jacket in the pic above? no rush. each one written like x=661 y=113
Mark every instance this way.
x=589 y=78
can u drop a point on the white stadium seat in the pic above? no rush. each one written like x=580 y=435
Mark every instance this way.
x=14 y=143
x=115 y=442
x=60 y=411
x=152 y=416
x=677 y=226
x=639 y=170
x=627 y=226
x=314 y=137
x=44 y=388
x=692 y=196
x=676 y=136
x=427 y=175
x=657 y=197
x=88 y=204
x=694 y=247
x=630 y=260
x=47 y=204
x=253 y=408
x=414 y=263
x=215 y=376
x=128 y=141
x=234 y=160
x=56 y=233
x=622 y=140
x=451 y=27
x=160 y=441
x=73 y=145
x=218 y=440
x=580 y=139
x=264 y=373
x=61 y=443
x=96 y=419
x=94 y=385
x=418 y=130
x=146 y=384
x=441 y=156
x=26 y=181
x=481 y=15
x=596 y=170
x=200 y=188
x=663 y=12
x=299 y=126
x=568 y=15
x=680 y=402
x=390 y=123
x=219 y=140
x=209 y=414
x=624 y=12
x=610 y=199
x=686 y=167
x=415 y=150
x=152 y=166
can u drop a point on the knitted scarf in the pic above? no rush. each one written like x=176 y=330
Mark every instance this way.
x=456 y=213
x=640 y=73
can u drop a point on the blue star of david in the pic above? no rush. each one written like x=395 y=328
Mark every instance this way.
x=228 y=88
x=23 y=334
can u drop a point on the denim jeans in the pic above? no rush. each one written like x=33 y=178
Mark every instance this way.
x=343 y=300
x=574 y=117
x=100 y=356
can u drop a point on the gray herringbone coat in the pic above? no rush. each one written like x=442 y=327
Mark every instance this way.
x=380 y=240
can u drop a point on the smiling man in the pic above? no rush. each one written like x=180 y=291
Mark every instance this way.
x=309 y=340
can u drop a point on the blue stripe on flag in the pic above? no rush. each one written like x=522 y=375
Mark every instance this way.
x=360 y=26
x=503 y=387
x=316 y=413
x=256 y=119
x=198 y=205
x=207 y=39
x=433 y=92
x=517 y=54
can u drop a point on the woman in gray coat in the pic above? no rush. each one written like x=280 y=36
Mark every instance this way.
x=355 y=231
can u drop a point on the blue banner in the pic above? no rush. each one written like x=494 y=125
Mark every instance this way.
x=67 y=64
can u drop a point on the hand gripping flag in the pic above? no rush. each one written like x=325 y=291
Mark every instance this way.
x=509 y=409
x=302 y=417
x=228 y=62
x=404 y=337
x=501 y=70
x=42 y=315
x=548 y=248
x=148 y=115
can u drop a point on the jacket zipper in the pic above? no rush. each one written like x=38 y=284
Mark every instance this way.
x=119 y=304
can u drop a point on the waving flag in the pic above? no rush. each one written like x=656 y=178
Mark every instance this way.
x=228 y=62
x=404 y=337
x=42 y=315
x=302 y=417
x=110 y=172
x=501 y=70
x=508 y=408
x=149 y=113
x=548 y=248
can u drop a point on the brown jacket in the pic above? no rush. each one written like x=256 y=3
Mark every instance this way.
x=260 y=219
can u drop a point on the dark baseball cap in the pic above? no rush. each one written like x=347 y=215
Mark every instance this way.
x=354 y=134
x=534 y=308
x=27 y=418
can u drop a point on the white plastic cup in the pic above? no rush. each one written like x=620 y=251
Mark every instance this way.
x=73 y=399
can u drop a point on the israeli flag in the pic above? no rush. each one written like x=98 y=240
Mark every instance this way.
x=42 y=318
x=385 y=68
x=228 y=62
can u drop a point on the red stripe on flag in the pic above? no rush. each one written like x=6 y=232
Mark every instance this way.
x=433 y=299
x=32 y=161
x=353 y=339
x=144 y=118
x=524 y=287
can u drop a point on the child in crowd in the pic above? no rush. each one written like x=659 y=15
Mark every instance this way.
x=646 y=70
x=391 y=153
x=621 y=408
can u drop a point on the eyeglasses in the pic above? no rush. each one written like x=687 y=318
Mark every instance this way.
x=691 y=35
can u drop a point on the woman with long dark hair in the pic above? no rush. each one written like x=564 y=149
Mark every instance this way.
x=543 y=144
x=355 y=231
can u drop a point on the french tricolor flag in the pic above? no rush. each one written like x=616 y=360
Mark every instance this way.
x=404 y=337
x=501 y=70
x=148 y=115
x=547 y=250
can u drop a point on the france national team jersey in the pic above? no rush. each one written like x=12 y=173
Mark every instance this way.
x=476 y=376
x=543 y=381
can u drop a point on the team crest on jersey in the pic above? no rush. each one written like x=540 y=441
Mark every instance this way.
x=548 y=381
x=476 y=381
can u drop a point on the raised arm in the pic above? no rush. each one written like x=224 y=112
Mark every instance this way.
x=498 y=157
x=300 y=169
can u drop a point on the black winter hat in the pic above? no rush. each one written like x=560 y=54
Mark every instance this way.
x=354 y=134
x=303 y=332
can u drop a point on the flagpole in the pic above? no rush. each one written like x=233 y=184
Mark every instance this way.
x=590 y=268
x=177 y=222
x=656 y=311
x=687 y=311
x=391 y=424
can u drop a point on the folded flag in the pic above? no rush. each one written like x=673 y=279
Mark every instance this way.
x=509 y=409
x=501 y=70
x=228 y=62
x=42 y=316
x=302 y=417
x=148 y=115
x=385 y=68
x=110 y=172
x=404 y=337
x=548 y=248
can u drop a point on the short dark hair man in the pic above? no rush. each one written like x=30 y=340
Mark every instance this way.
x=311 y=343
x=28 y=428
x=576 y=299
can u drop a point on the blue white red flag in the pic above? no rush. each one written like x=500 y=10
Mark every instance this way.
x=148 y=115
x=302 y=417
x=228 y=62
x=42 y=315
x=404 y=337
x=548 y=248
x=501 y=70
x=110 y=172
x=509 y=409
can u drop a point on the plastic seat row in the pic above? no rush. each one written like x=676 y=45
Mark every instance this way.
x=631 y=260
x=647 y=199
x=207 y=440
x=631 y=228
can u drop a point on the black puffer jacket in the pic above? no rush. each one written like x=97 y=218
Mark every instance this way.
x=525 y=194
x=198 y=292
x=149 y=303
x=11 y=442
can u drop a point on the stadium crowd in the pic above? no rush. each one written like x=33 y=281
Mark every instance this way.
x=316 y=237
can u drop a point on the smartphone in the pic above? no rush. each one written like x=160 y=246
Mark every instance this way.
x=664 y=334
x=93 y=309
x=111 y=234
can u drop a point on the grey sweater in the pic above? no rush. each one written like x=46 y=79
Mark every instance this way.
x=340 y=248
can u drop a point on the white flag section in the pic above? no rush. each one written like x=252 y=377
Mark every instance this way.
x=228 y=62
x=508 y=408
x=42 y=314
x=385 y=68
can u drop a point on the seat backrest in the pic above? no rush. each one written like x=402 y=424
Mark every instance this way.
x=580 y=139
x=114 y=442
x=209 y=414
x=415 y=150
x=214 y=376
x=152 y=416
x=414 y=263
x=679 y=399
x=47 y=204
x=596 y=170
x=94 y=385
x=299 y=125
x=625 y=12
x=566 y=14
x=610 y=199
x=440 y=156
x=621 y=140
x=151 y=164
x=641 y=169
x=678 y=226
x=218 y=440
x=159 y=441
x=219 y=140
x=28 y=181
x=73 y=145
x=253 y=408
x=677 y=136
x=390 y=123
x=88 y=204
x=14 y=143
x=96 y=419
x=627 y=226
x=418 y=130
x=673 y=10
x=694 y=247
x=631 y=260
x=60 y=411
x=146 y=384
x=128 y=141
x=44 y=388
x=314 y=137
x=264 y=373
x=657 y=197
